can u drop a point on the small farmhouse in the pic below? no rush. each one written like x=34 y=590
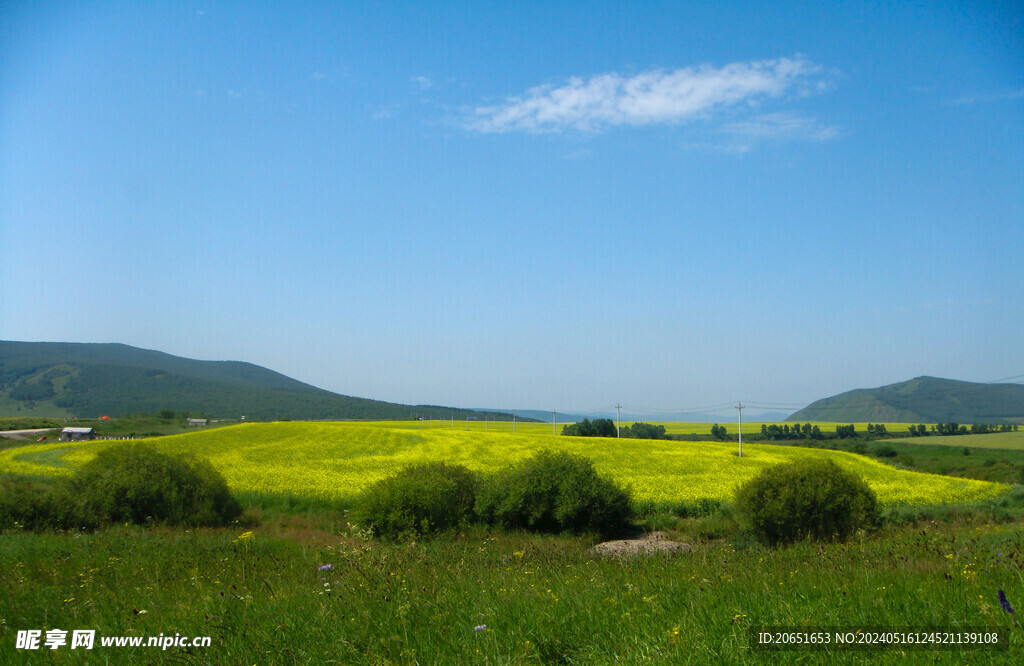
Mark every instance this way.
x=198 y=422
x=77 y=434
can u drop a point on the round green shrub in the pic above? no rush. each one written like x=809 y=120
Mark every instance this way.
x=420 y=499
x=811 y=498
x=554 y=492
x=26 y=504
x=138 y=484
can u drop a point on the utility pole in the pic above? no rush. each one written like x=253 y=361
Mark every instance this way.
x=553 y=423
x=617 y=408
x=513 y=424
x=739 y=410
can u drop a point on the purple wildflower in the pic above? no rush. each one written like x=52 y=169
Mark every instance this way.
x=1006 y=605
x=326 y=567
x=480 y=627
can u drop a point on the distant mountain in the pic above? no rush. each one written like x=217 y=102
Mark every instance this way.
x=649 y=417
x=91 y=380
x=540 y=415
x=921 y=400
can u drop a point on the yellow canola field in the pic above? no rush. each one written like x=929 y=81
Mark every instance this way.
x=336 y=460
x=671 y=427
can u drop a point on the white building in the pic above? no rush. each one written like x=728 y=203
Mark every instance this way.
x=77 y=434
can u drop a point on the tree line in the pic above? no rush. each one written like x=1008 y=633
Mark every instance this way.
x=606 y=428
x=948 y=429
x=778 y=432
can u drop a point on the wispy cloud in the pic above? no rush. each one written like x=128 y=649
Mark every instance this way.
x=384 y=112
x=653 y=97
x=1003 y=96
x=783 y=125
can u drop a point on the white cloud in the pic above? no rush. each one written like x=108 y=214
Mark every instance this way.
x=653 y=97
x=422 y=82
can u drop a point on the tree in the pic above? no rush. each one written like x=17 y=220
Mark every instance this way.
x=588 y=428
x=644 y=431
x=844 y=431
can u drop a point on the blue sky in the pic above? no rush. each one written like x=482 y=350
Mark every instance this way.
x=523 y=205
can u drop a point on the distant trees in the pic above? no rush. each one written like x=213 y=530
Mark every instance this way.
x=644 y=431
x=845 y=431
x=606 y=428
x=26 y=392
x=780 y=431
x=588 y=428
x=784 y=432
x=949 y=429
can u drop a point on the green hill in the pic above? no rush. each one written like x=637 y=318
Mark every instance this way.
x=922 y=400
x=90 y=380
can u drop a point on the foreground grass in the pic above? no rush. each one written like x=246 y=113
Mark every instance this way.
x=266 y=594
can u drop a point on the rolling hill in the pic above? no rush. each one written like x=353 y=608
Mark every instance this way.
x=922 y=400
x=90 y=380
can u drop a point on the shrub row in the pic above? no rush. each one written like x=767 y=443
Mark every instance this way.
x=131 y=483
x=551 y=492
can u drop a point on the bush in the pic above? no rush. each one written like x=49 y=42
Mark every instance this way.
x=812 y=498
x=26 y=504
x=136 y=483
x=554 y=492
x=418 y=500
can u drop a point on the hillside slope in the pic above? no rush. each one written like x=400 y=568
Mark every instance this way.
x=90 y=380
x=922 y=400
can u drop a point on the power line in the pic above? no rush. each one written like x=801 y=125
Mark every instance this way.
x=869 y=399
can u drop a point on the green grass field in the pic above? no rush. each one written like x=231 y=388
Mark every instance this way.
x=267 y=596
x=996 y=440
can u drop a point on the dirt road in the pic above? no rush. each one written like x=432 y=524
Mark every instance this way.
x=25 y=435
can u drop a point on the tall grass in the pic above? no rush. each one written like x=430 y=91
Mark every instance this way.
x=480 y=597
